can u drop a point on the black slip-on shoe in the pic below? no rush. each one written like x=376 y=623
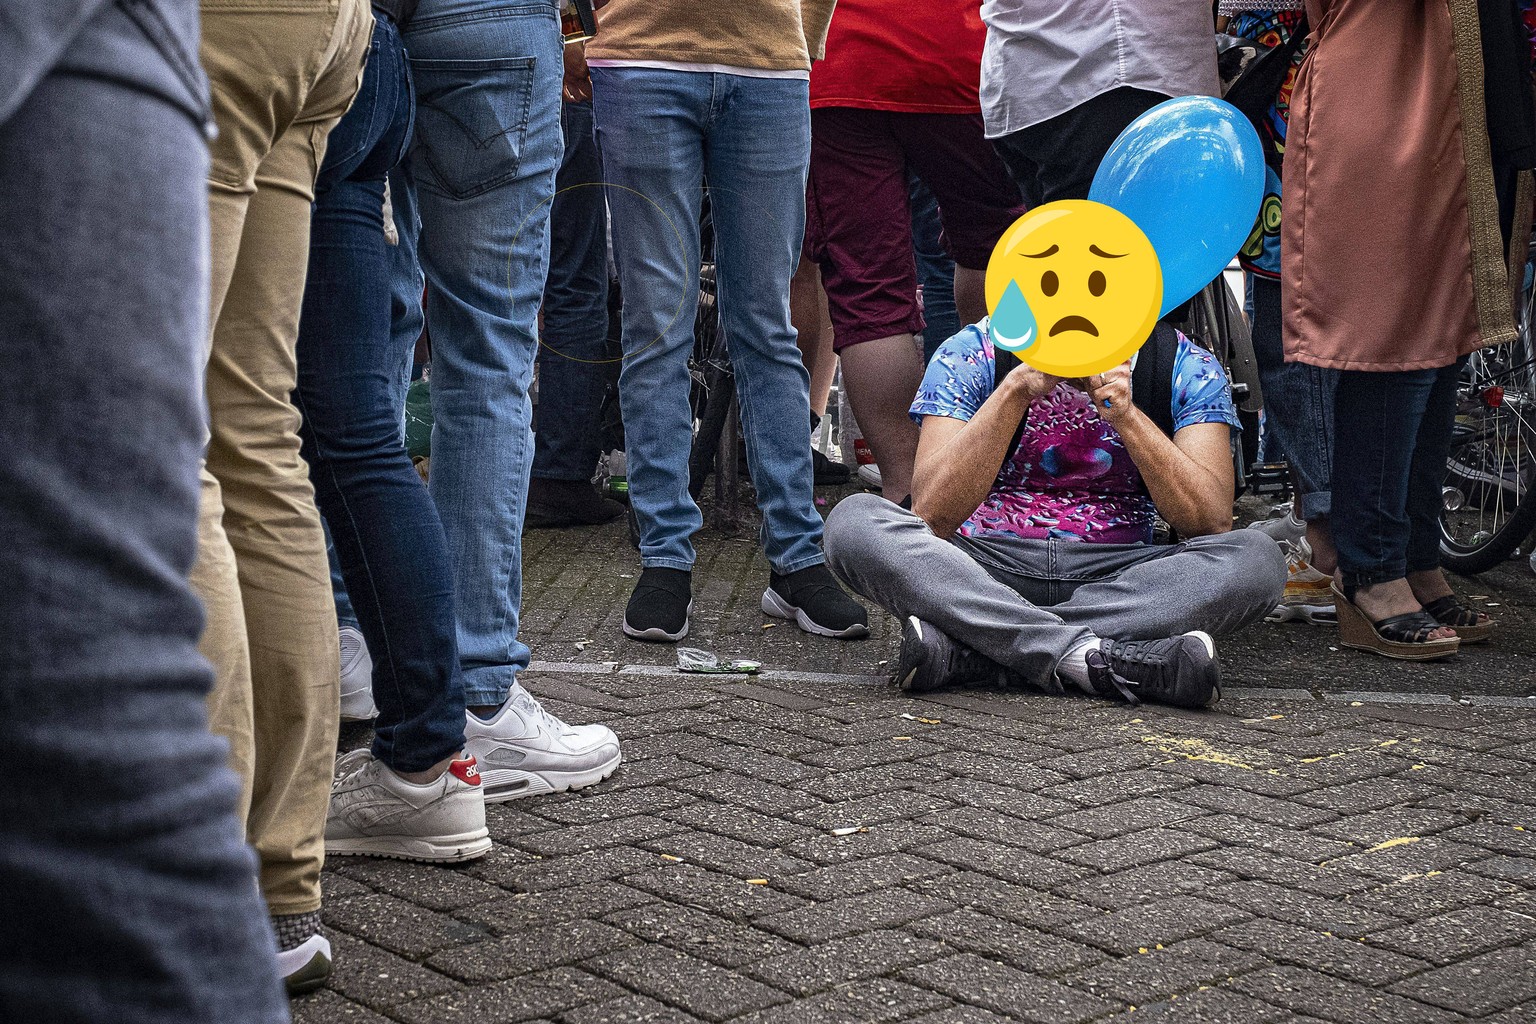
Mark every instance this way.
x=658 y=609
x=818 y=605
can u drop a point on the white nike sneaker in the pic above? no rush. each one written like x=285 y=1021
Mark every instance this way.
x=306 y=966
x=356 y=678
x=376 y=813
x=1284 y=528
x=526 y=751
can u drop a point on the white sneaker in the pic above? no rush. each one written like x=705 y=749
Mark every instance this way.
x=376 y=813
x=356 y=678
x=869 y=476
x=1308 y=593
x=526 y=751
x=305 y=967
x=1286 y=528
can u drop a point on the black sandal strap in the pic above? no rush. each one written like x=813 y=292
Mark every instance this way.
x=1451 y=611
x=1410 y=628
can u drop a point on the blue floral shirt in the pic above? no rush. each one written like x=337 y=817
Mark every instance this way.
x=1071 y=476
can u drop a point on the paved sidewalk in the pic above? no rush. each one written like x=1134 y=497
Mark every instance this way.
x=810 y=848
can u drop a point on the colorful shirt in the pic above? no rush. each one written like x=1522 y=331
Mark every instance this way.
x=1261 y=252
x=1071 y=476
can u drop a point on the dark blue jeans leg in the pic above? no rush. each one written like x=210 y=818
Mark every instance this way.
x=571 y=379
x=127 y=895
x=1427 y=474
x=1298 y=403
x=935 y=270
x=1377 y=423
x=388 y=538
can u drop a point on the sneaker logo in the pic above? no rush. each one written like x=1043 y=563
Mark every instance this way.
x=467 y=770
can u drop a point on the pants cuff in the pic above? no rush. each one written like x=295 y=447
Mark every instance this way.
x=1316 y=505
x=804 y=563
x=666 y=563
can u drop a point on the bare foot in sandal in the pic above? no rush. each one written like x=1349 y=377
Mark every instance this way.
x=1386 y=600
x=1439 y=600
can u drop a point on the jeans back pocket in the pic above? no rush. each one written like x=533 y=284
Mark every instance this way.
x=471 y=123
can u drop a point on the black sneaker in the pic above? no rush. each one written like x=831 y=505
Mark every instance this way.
x=929 y=660
x=567 y=503
x=817 y=604
x=1181 y=670
x=827 y=471
x=658 y=609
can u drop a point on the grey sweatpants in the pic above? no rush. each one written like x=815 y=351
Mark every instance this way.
x=1026 y=603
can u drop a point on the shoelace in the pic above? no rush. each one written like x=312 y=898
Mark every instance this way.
x=1099 y=670
x=526 y=703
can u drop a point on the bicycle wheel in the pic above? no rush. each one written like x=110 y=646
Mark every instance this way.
x=1490 y=477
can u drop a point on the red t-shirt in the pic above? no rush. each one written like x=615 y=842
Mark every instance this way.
x=918 y=56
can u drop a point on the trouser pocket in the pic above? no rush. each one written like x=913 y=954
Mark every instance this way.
x=471 y=123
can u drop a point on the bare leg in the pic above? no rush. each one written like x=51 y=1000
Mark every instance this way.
x=808 y=313
x=970 y=294
x=882 y=376
x=1395 y=597
x=1325 y=557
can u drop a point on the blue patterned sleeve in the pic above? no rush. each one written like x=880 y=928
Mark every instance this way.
x=1201 y=391
x=959 y=379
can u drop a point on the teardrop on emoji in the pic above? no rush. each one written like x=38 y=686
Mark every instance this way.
x=1013 y=323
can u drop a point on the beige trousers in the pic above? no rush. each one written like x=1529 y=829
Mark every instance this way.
x=283 y=72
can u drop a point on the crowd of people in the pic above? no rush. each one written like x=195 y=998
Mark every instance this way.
x=232 y=226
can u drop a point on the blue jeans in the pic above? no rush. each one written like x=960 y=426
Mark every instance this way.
x=473 y=196
x=1298 y=403
x=661 y=134
x=571 y=378
x=1394 y=435
x=128 y=893
x=935 y=270
x=388 y=538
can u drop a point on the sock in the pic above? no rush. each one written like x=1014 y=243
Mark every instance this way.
x=294 y=929
x=1074 y=667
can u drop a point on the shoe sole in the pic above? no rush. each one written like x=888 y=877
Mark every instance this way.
x=918 y=657
x=657 y=635
x=1357 y=632
x=437 y=850
x=779 y=608
x=1310 y=614
x=502 y=785
x=1210 y=650
x=310 y=977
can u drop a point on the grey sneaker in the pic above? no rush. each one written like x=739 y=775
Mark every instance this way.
x=526 y=751
x=376 y=813
x=356 y=678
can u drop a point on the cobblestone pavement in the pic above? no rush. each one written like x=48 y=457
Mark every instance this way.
x=808 y=847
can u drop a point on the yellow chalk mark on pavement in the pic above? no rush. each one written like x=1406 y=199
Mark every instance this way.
x=1191 y=749
x=1390 y=843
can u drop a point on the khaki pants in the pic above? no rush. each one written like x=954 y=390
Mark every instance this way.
x=283 y=72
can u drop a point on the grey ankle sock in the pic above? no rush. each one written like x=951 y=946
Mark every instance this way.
x=294 y=929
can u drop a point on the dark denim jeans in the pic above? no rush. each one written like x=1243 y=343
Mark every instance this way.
x=1393 y=435
x=571 y=377
x=935 y=270
x=127 y=894
x=388 y=538
x=1298 y=403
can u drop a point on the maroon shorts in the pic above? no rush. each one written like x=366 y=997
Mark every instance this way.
x=858 y=222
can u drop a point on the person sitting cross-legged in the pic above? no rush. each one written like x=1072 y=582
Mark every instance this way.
x=1027 y=556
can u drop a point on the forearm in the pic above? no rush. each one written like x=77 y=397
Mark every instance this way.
x=950 y=482
x=1193 y=500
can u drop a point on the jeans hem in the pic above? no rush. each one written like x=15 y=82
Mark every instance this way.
x=1372 y=579
x=1316 y=505
x=804 y=563
x=489 y=687
x=666 y=563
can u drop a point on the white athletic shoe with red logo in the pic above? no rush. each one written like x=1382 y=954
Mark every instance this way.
x=376 y=813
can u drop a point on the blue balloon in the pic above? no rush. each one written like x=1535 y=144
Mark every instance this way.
x=1190 y=173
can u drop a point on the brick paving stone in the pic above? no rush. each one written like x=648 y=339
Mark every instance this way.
x=628 y=1010
x=997 y=765
x=758 y=764
x=1232 y=829
x=852 y=879
x=1014 y=944
x=1136 y=849
x=1367 y=795
x=1301 y=908
x=657 y=770
x=704 y=935
x=604 y=805
x=883 y=750
x=1164 y=971
x=876 y=1001
x=1507 y=839
x=1115 y=788
x=884 y=837
x=1416 y=856
x=739 y=823
x=425 y=885
x=1133 y=815
x=960 y=1015
x=631 y=831
x=1520 y=870
x=1304 y=947
x=695 y=985
x=978 y=823
x=366 y=974
x=1493 y=981
x=1165 y=922
x=1446 y=938
x=720 y=894
x=532 y=949
x=1013 y=902
x=327 y=1007
x=832 y=919
x=576 y=869
x=734 y=788
x=551 y=906
x=893 y=806
x=1213 y=1006
x=1270 y=810
x=399 y=926
x=1145 y=884
x=1003 y=862
x=1421 y=896
x=852 y=958
x=883 y=778
x=1253 y=864
x=760 y=737
x=516 y=1001
x=1001 y=798
x=727 y=855
x=1310 y=992
x=1004 y=990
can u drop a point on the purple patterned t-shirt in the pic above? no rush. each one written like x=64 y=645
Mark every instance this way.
x=1071 y=476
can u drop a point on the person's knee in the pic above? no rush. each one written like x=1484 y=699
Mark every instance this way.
x=1249 y=578
x=851 y=530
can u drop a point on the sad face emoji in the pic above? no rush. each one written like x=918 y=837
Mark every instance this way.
x=1074 y=288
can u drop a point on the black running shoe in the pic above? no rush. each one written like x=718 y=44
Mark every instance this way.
x=817 y=604
x=930 y=660
x=1180 y=670
x=828 y=472
x=658 y=609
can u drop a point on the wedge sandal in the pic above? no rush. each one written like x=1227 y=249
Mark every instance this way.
x=1471 y=625
x=1404 y=637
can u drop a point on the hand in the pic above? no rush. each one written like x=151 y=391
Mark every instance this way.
x=578 y=80
x=1030 y=382
x=1111 y=392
